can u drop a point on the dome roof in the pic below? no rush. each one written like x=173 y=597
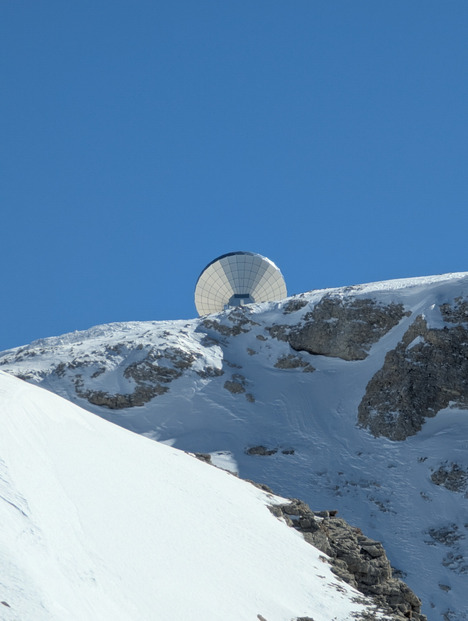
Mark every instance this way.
x=238 y=278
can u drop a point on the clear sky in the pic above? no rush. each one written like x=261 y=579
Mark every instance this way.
x=141 y=139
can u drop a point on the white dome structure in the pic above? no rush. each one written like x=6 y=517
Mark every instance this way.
x=238 y=278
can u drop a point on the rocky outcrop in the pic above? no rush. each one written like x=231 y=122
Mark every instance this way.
x=456 y=312
x=260 y=450
x=426 y=372
x=237 y=385
x=294 y=304
x=117 y=401
x=150 y=376
x=453 y=477
x=449 y=536
x=293 y=362
x=236 y=321
x=356 y=559
x=341 y=327
x=160 y=366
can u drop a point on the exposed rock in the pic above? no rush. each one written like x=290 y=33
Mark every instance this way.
x=454 y=478
x=455 y=313
x=356 y=559
x=140 y=396
x=150 y=372
x=206 y=457
x=341 y=327
x=279 y=332
x=293 y=362
x=160 y=366
x=426 y=372
x=98 y=372
x=456 y=563
x=236 y=385
x=260 y=450
x=238 y=317
x=345 y=328
x=36 y=376
x=261 y=486
x=223 y=329
x=209 y=372
x=60 y=369
x=242 y=315
x=447 y=535
x=150 y=376
x=294 y=305
x=233 y=365
x=210 y=341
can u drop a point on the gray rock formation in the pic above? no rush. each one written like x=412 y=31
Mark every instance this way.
x=294 y=362
x=294 y=304
x=456 y=312
x=426 y=372
x=236 y=385
x=356 y=559
x=260 y=450
x=150 y=376
x=117 y=401
x=236 y=321
x=453 y=477
x=341 y=327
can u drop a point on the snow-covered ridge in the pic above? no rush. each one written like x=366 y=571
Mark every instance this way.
x=132 y=327
x=325 y=382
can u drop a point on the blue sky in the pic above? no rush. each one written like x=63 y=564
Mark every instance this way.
x=140 y=140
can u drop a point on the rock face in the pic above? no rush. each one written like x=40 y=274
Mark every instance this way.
x=238 y=323
x=426 y=372
x=456 y=312
x=453 y=477
x=150 y=376
x=236 y=385
x=356 y=559
x=117 y=401
x=293 y=362
x=341 y=327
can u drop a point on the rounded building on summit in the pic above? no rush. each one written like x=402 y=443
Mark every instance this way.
x=238 y=278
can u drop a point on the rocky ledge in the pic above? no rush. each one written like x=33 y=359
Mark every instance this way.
x=356 y=559
x=425 y=373
x=340 y=327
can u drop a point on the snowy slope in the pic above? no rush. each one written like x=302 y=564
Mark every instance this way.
x=230 y=382
x=99 y=523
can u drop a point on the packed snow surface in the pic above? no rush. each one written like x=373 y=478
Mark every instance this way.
x=102 y=524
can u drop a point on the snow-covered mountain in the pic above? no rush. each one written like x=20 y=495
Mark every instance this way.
x=351 y=399
x=102 y=524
